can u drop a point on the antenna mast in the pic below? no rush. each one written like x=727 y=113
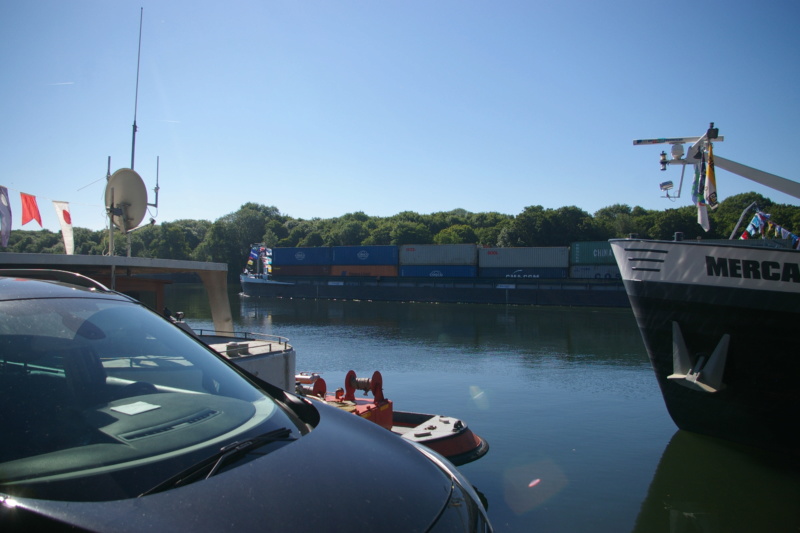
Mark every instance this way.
x=136 y=99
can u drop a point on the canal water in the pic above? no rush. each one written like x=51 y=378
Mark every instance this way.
x=580 y=439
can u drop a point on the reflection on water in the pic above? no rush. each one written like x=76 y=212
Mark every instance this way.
x=573 y=331
x=580 y=439
x=710 y=486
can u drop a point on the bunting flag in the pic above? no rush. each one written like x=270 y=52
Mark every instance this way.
x=62 y=210
x=761 y=225
x=710 y=192
x=251 y=258
x=696 y=191
x=30 y=210
x=5 y=217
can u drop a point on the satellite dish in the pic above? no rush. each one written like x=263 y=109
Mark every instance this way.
x=126 y=199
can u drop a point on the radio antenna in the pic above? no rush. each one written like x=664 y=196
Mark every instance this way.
x=136 y=99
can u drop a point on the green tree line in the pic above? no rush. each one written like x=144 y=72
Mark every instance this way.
x=228 y=239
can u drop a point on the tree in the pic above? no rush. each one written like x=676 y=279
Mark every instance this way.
x=216 y=247
x=380 y=235
x=170 y=243
x=527 y=228
x=570 y=224
x=312 y=239
x=299 y=230
x=349 y=234
x=194 y=231
x=616 y=220
x=276 y=228
x=459 y=234
x=725 y=217
x=87 y=242
x=670 y=221
x=410 y=233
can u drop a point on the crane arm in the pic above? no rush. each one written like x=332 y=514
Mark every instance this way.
x=792 y=188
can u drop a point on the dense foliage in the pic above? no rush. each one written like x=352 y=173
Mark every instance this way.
x=228 y=239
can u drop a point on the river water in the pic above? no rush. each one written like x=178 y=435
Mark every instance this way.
x=564 y=396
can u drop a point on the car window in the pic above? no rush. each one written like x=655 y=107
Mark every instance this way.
x=90 y=384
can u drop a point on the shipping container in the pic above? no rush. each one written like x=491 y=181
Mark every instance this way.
x=595 y=272
x=438 y=271
x=373 y=271
x=591 y=253
x=302 y=256
x=438 y=254
x=524 y=273
x=552 y=256
x=301 y=270
x=364 y=255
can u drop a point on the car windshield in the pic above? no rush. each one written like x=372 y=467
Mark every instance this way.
x=101 y=389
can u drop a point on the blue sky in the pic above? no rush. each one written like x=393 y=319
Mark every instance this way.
x=322 y=108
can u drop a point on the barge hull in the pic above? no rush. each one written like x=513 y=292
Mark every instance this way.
x=720 y=338
x=758 y=405
x=561 y=293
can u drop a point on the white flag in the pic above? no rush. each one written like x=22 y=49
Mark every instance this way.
x=62 y=210
x=698 y=194
x=710 y=192
x=702 y=217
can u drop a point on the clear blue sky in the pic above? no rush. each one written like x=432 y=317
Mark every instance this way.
x=322 y=108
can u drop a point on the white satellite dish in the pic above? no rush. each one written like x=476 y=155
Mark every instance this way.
x=126 y=199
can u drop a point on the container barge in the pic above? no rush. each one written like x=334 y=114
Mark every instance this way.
x=583 y=274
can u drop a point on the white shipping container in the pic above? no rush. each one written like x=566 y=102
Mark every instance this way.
x=550 y=256
x=438 y=254
x=595 y=272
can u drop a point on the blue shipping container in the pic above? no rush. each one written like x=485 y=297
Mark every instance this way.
x=364 y=255
x=301 y=256
x=438 y=271
x=524 y=273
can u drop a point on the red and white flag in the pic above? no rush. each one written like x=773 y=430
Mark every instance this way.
x=30 y=210
x=62 y=210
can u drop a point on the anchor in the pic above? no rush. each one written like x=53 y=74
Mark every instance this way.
x=706 y=374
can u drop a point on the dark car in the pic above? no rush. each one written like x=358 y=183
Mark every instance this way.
x=113 y=419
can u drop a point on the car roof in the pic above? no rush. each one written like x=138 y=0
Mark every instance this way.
x=28 y=284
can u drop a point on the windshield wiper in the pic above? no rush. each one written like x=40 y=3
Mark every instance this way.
x=213 y=463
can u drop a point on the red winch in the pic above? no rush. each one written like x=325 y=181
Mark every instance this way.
x=448 y=436
x=378 y=409
x=310 y=384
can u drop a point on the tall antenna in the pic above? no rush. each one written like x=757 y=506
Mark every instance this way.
x=136 y=100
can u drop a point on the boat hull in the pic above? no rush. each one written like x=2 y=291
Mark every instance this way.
x=449 y=437
x=690 y=297
x=268 y=357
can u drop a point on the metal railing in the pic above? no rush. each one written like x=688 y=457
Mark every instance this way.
x=264 y=339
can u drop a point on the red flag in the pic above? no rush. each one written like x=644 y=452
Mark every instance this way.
x=30 y=211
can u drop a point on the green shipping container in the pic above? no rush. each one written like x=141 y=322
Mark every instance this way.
x=591 y=253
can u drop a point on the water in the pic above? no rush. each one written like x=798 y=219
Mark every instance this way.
x=564 y=396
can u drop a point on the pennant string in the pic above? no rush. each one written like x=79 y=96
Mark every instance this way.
x=761 y=225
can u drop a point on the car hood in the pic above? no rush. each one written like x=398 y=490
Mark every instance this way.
x=347 y=473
